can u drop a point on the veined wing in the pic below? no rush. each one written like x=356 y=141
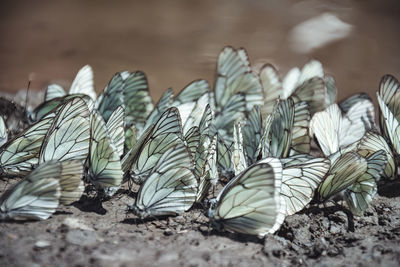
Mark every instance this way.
x=389 y=121
x=158 y=138
x=171 y=187
x=138 y=102
x=54 y=91
x=194 y=113
x=115 y=129
x=331 y=90
x=83 y=83
x=389 y=91
x=343 y=173
x=206 y=168
x=301 y=142
x=53 y=104
x=68 y=136
x=313 y=92
x=251 y=203
x=252 y=132
x=272 y=86
x=238 y=156
x=105 y=170
x=373 y=142
x=192 y=139
x=112 y=97
x=71 y=182
x=281 y=129
x=224 y=159
x=3 y=132
x=359 y=195
x=21 y=154
x=300 y=180
x=34 y=198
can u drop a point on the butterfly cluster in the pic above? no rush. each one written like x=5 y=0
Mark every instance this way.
x=274 y=146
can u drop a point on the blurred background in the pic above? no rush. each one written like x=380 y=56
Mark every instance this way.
x=175 y=42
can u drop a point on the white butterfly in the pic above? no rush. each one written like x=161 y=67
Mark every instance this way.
x=158 y=138
x=82 y=84
x=3 y=132
x=171 y=187
x=37 y=196
x=105 y=170
x=251 y=202
x=335 y=128
x=68 y=136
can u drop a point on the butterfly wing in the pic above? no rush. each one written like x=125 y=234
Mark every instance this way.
x=250 y=203
x=68 y=137
x=112 y=97
x=115 y=129
x=105 y=170
x=3 y=132
x=359 y=195
x=71 y=182
x=83 y=83
x=171 y=187
x=34 y=198
x=54 y=91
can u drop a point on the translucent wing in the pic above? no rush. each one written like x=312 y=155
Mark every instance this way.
x=34 y=198
x=373 y=142
x=300 y=180
x=138 y=102
x=53 y=104
x=331 y=90
x=112 y=97
x=313 y=92
x=251 y=203
x=83 y=83
x=130 y=138
x=238 y=156
x=301 y=142
x=158 y=138
x=343 y=173
x=389 y=121
x=389 y=91
x=68 y=136
x=252 y=132
x=192 y=139
x=359 y=195
x=280 y=135
x=115 y=129
x=272 y=87
x=54 y=91
x=206 y=170
x=191 y=93
x=224 y=159
x=105 y=170
x=311 y=69
x=3 y=132
x=21 y=154
x=71 y=182
x=194 y=116
x=171 y=187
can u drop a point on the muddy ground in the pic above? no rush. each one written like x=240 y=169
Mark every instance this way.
x=91 y=233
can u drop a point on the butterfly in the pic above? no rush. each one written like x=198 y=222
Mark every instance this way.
x=237 y=90
x=251 y=202
x=156 y=139
x=69 y=134
x=82 y=84
x=388 y=100
x=38 y=195
x=3 y=132
x=341 y=125
x=355 y=176
x=52 y=105
x=170 y=188
x=104 y=164
x=20 y=154
x=306 y=85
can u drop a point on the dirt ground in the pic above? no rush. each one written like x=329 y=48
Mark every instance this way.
x=175 y=42
x=91 y=233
